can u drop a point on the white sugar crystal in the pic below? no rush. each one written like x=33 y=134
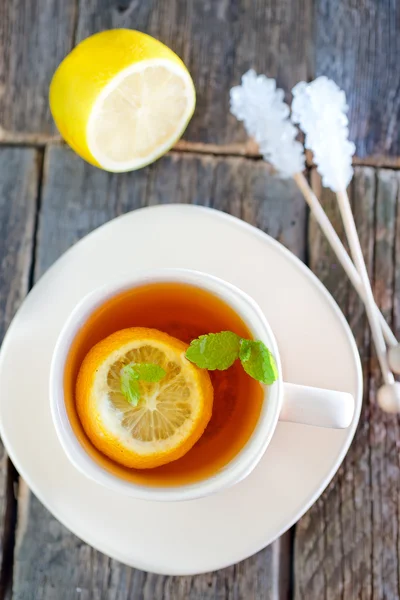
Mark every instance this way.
x=320 y=109
x=265 y=115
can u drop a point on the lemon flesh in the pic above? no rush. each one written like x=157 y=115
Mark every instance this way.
x=166 y=410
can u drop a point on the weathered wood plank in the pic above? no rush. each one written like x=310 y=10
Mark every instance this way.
x=19 y=176
x=217 y=40
x=347 y=545
x=277 y=208
x=385 y=429
x=50 y=562
x=358 y=45
x=34 y=37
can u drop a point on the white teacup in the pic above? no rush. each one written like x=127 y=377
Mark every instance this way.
x=283 y=401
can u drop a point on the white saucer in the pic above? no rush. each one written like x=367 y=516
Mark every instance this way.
x=317 y=348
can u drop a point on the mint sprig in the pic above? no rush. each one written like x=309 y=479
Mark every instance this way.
x=133 y=373
x=220 y=350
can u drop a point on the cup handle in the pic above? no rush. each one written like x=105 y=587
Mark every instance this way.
x=316 y=406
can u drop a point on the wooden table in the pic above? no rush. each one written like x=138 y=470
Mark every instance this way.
x=348 y=545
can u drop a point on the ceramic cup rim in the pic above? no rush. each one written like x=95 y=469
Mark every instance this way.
x=249 y=456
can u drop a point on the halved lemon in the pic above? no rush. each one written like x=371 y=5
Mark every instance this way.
x=121 y=99
x=171 y=415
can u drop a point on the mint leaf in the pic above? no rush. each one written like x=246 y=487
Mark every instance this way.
x=133 y=373
x=245 y=350
x=130 y=384
x=149 y=372
x=214 y=351
x=258 y=361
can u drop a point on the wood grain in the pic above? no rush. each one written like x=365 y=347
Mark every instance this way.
x=34 y=37
x=347 y=545
x=50 y=562
x=358 y=45
x=19 y=176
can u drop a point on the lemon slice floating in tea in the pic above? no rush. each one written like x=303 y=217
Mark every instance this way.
x=171 y=414
x=121 y=99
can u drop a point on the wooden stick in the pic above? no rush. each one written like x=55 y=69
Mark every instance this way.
x=341 y=253
x=356 y=252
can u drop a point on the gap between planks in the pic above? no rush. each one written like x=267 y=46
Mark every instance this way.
x=248 y=150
